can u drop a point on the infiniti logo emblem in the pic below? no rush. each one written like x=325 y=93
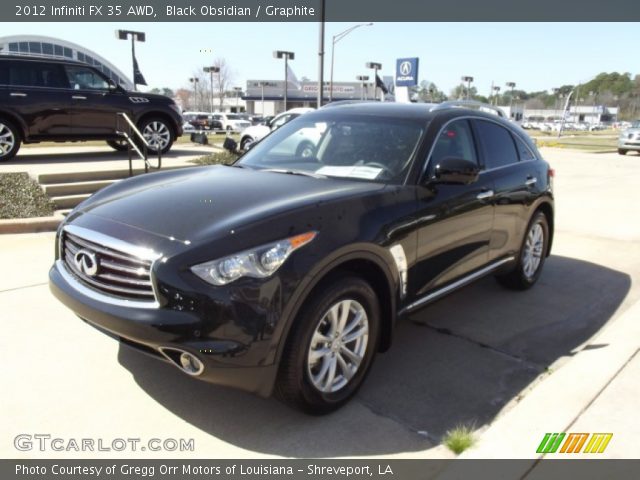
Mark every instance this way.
x=86 y=262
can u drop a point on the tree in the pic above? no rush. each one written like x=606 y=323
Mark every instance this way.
x=429 y=92
x=183 y=97
x=223 y=79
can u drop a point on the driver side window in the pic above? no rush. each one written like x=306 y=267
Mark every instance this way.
x=455 y=140
x=81 y=78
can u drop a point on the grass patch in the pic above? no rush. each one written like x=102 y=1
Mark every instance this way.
x=22 y=197
x=217 y=158
x=459 y=439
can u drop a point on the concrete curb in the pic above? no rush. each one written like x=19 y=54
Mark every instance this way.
x=560 y=399
x=30 y=225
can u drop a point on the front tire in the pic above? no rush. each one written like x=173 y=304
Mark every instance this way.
x=9 y=140
x=246 y=142
x=622 y=151
x=158 y=134
x=532 y=256
x=330 y=348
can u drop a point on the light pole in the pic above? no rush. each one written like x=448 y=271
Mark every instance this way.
x=195 y=81
x=237 y=90
x=496 y=89
x=511 y=85
x=262 y=91
x=336 y=39
x=287 y=56
x=140 y=37
x=363 y=79
x=468 y=80
x=375 y=67
x=211 y=70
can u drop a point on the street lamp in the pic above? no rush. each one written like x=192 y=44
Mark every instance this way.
x=211 y=70
x=467 y=79
x=140 y=37
x=195 y=81
x=336 y=39
x=262 y=84
x=287 y=56
x=237 y=90
x=363 y=79
x=375 y=67
x=511 y=85
x=496 y=89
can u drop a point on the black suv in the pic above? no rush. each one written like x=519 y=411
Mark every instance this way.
x=288 y=271
x=45 y=99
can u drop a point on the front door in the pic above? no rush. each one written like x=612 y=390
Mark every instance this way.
x=455 y=221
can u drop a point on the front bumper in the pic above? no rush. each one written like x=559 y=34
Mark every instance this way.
x=629 y=141
x=150 y=329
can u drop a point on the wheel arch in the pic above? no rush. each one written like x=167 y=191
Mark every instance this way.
x=364 y=264
x=17 y=122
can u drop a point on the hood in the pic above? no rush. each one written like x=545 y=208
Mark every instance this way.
x=206 y=202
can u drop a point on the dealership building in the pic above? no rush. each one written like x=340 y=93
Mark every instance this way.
x=36 y=45
x=266 y=97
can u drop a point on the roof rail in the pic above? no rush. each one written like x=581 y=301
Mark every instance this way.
x=337 y=103
x=473 y=104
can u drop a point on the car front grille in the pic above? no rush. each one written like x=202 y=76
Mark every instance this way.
x=109 y=271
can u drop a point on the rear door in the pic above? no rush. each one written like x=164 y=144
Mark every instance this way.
x=511 y=166
x=35 y=92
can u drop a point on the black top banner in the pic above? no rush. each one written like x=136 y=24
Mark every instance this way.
x=314 y=10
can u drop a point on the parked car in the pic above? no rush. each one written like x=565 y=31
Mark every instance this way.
x=285 y=273
x=202 y=121
x=629 y=139
x=258 y=132
x=44 y=99
x=231 y=122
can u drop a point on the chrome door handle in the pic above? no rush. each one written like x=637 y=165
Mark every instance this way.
x=485 y=195
x=531 y=181
x=79 y=97
x=17 y=94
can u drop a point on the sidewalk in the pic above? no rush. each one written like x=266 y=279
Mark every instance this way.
x=596 y=392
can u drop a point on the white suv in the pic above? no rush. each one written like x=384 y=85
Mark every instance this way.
x=231 y=122
x=258 y=132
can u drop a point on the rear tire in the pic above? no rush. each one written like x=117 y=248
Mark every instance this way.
x=158 y=133
x=531 y=257
x=10 y=140
x=118 y=145
x=245 y=143
x=622 y=151
x=330 y=348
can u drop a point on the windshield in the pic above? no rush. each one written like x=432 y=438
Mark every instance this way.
x=357 y=147
x=635 y=124
x=231 y=116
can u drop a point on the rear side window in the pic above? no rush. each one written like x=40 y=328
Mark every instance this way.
x=498 y=147
x=454 y=141
x=523 y=150
x=32 y=74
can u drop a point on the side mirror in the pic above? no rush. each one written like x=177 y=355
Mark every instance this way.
x=455 y=171
x=113 y=86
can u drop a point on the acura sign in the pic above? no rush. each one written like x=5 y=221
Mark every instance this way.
x=407 y=72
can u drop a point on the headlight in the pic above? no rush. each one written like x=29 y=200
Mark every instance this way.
x=259 y=262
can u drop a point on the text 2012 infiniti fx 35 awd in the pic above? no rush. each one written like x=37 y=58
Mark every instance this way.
x=286 y=273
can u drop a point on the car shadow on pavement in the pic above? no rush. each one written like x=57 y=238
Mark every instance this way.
x=458 y=361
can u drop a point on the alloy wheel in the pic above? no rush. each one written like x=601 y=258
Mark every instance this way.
x=533 y=250
x=157 y=135
x=338 y=346
x=7 y=140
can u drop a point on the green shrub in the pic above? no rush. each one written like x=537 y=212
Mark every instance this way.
x=459 y=439
x=218 y=158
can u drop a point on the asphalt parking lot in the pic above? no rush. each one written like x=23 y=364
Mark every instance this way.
x=468 y=359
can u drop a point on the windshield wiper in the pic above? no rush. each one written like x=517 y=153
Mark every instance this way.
x=294 y=172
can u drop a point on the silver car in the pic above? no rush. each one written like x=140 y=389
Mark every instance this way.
x=629 y=139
